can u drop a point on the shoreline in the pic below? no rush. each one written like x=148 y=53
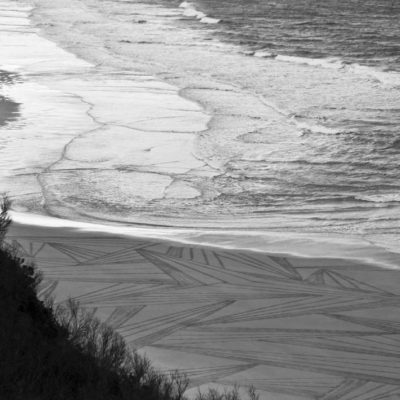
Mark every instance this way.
x=270 y=243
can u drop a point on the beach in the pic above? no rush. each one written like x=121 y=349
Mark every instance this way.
x=294 y=328
x=204 y=201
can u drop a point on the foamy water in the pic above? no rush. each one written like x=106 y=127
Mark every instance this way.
x=282 y=243
x=141 y=119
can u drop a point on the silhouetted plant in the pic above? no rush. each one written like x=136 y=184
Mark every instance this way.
x=233 y=394
x=5 y=221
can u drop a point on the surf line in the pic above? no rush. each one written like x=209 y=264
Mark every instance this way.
x=189 y=10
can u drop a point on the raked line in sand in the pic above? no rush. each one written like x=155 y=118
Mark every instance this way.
x=295 y=328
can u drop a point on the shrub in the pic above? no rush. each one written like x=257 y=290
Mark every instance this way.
x=5 y=221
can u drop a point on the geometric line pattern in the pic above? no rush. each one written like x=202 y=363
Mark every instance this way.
x=335 y=279
x=356 y=366
x=307 y=387
x=199 y=376
x=121 y=315
x=78 y=254
x=299 y=307
x=46 y=288
x=292 y=327
x=151 y=330
x=361 y=390
x=380 y=324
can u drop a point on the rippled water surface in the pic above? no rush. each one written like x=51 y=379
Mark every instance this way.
x=367 y=32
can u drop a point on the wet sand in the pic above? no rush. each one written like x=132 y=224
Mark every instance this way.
x=9 y=110
x=295 y=328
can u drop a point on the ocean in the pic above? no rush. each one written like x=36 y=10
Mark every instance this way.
x=293 y=127
x=346 y=32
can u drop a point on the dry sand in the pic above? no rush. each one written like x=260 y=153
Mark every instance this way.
x=295 y=328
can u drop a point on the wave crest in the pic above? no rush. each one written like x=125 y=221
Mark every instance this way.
x=189 y=10
x=385 y=77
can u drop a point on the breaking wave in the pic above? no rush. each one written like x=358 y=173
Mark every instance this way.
x=189 y=10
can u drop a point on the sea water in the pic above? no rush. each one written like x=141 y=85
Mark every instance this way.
x=352 y=32
x=293 y=124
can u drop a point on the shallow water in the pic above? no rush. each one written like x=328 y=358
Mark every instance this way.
x=259 y=143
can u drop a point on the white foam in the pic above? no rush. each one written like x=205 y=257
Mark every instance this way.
x=208 y=20
x=315 y=128
x=263 y=54
x=331 y=63
x=30 y=53
x=386 y=77
x=191 y=11
x=380 y=198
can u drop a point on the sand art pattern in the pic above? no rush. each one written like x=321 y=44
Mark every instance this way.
x=294 y=328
